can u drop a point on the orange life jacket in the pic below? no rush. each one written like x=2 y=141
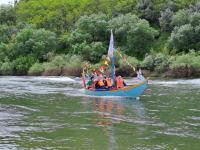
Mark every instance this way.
x=100 y=82
x=109 y=82
x=120 y=82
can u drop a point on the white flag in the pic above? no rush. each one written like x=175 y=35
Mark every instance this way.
x=111 y=46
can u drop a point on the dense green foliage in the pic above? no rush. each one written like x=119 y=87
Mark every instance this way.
x=41 y=36
x=36 y=69
x=7 y=14
x=34 y=42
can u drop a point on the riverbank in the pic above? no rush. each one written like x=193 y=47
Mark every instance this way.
x=153 y=65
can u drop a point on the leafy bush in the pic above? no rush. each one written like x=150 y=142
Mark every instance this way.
x=7 y=14
x=186 y=60
x=36 y=69
x=3 y=51
x=91 y=28
x=135 y=35
x=6 y=33
x=22 y=64
x=131 y=60
x=156 y=62
x=64 y=65
x=35 y=42
x=165 y=19
x=126 y=69
x=146 y=10
x=180 y=18
x=56 y=63
x=161 y=62
x=74 y=66
x=91 y=52
x=185 y=35
x=6 y=67
x=185 y=38
x=185 y=65
x=148 y=62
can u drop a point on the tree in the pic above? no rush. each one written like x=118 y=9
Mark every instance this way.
x=186 y=35
x=195 y=19
x=34 y=42
x=91 y=28
x=23 y=63
x=6 y=33
x=165 y=19
x=133 y=34
x=180 y=18
x=166 y=16
x=182 y=39
x=89 y=37
x=7 y=15
x=139 y=39
x=195 y=7
x=146 y=10
x=57 y=16
x=92 y=52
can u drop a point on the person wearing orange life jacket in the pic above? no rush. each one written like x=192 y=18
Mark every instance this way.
x=109 y=82
x=100 y=81
x=120 y=82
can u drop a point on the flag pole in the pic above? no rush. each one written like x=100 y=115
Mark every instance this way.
x=111 y=55
x=113 y=70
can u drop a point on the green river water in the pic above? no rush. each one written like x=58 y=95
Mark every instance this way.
x=53 y=113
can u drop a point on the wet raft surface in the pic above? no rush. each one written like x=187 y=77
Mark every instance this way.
x=53 y=113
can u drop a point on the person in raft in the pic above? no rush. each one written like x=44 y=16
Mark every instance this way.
x=108 y=82
x=103 y=82
x=90 y=82
x=120 y=82
x=100 y=82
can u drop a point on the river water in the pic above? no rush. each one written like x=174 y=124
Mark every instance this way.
x=54 y=113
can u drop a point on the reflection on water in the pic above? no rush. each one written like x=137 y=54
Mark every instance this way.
x=53 y=113
x=105 y=109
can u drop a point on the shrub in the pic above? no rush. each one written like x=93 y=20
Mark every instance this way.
x=22 y=64
x=156 y=62
x=37 y=42
x=3 y=51
x=180 y=18
x=128 y=70
x=166 y=16
x=185 y=65
x=146 y=10
x=36 y=69
x=92 y=28
x=6 y=33
x=7 y=14
x=165 y=19
x=186 y=60
x=161 y=62
x=182 y=39
x=64 y=65
x=6 y=68
x=91 y=52
x=74 y=66
x=135 y=35
x=148 y=63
